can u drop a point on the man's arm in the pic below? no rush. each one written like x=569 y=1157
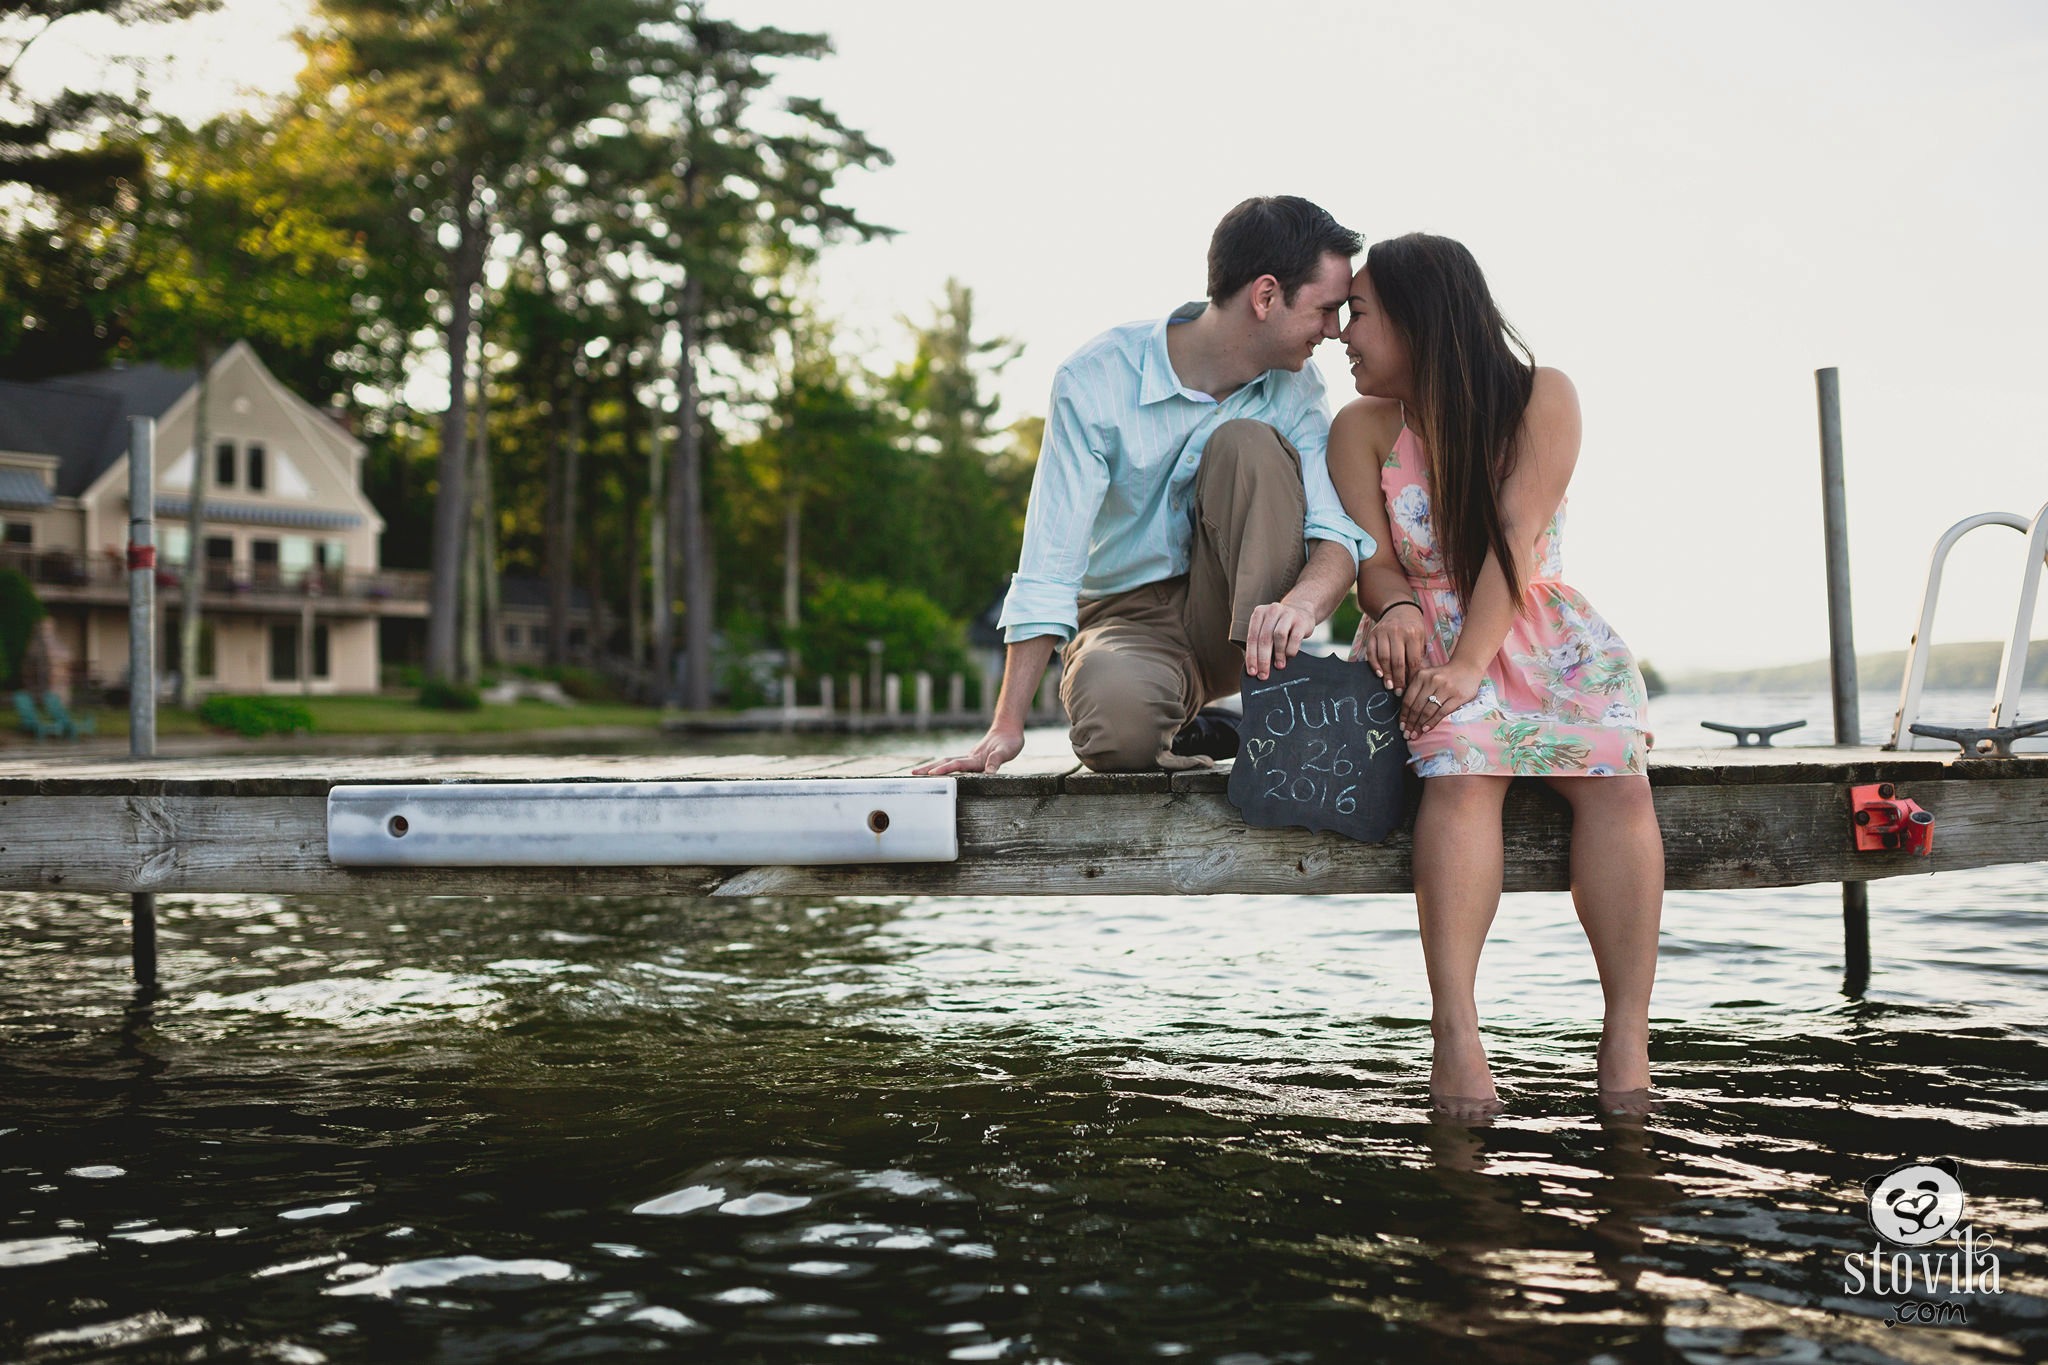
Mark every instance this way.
x=1278 y=628
x=1023 y=665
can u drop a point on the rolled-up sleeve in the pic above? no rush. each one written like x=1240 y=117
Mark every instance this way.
x=1327 y=520
x=1066 y=494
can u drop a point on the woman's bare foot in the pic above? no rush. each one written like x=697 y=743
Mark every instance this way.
x=1624 y=1060
x=1464 y=1108
x=1457 y=1068
x=1628 y=1105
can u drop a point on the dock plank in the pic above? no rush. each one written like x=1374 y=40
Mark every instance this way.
x=1731 y=818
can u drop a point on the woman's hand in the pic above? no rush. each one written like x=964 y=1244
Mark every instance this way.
x=1394 y=644
x=1433 y=693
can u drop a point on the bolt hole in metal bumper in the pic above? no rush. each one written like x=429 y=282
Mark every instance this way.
x=789 y=823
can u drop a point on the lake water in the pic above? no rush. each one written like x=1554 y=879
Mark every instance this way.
x=1109 y=1130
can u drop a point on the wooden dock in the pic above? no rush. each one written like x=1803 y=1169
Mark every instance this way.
x=1732 y=818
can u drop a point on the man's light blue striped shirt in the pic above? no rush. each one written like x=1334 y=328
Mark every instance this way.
x=1112 y=503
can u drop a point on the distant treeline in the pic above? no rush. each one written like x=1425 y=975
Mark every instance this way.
x=1962 y=665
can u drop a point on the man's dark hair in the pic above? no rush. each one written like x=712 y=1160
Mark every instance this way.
x=1282 y=235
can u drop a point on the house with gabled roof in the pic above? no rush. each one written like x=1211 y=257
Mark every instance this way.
x=289 y=551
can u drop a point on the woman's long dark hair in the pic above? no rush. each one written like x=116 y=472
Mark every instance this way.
x=1472 y=388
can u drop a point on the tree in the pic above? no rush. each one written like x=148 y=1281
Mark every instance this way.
x=452 y=106
x=225 y=247
x=828 y=489
x=33 y=135
x=63 y=245
x=742 y=187
x=974 y=501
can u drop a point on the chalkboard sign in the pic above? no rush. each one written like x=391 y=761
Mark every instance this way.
x=1321 y=747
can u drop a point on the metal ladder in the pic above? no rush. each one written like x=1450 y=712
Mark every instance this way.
x=2012 y=664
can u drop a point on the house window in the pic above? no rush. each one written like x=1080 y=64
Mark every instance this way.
x=220 y=562
x=512 y=635
x=263 y=563
x=256 y=468
x=333 y=553
x=17 y=533
x=224 y=465
x=176 y=541
x=284 y=652
x=578 y=637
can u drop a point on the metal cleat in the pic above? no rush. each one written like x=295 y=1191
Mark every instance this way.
x=1980 y=741
x=1747 y=735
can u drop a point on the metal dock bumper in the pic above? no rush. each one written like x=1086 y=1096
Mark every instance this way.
x=786 y=823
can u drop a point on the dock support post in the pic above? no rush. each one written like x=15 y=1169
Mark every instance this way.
x=921 y=698
x=1842 y=654
x=892 y=695
x=956 y=697
x=142 y=652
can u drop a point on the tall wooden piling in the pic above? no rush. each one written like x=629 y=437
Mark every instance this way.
x=1842 y=653
x=142 y=649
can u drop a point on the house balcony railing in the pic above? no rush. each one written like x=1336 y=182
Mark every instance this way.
x=62 y=575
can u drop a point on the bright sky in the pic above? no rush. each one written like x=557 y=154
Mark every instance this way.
x=1688 y=209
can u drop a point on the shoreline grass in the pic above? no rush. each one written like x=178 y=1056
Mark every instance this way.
x=399 y=713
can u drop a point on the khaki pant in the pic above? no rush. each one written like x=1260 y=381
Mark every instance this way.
x=1144 y=661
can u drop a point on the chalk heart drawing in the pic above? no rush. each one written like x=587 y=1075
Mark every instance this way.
x=1260 y=750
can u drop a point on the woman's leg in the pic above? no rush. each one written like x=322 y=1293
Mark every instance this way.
x=1618 y=887
x=1457 y=891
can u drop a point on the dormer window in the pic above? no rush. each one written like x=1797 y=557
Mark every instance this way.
x=224 y=465
x=255 y=469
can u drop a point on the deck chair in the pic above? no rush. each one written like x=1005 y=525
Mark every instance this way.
x=65 y=726
x=31 y=719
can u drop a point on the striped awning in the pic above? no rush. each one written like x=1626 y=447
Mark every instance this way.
x=23 y=488
x=262 y=514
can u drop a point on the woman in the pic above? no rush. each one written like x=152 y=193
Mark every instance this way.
x=1465 y=447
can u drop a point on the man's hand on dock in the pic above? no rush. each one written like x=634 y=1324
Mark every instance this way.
x=997 y=747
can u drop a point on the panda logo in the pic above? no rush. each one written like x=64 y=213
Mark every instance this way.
x=1916 y=1203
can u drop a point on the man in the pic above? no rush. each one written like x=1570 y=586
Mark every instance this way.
x=1182 y=527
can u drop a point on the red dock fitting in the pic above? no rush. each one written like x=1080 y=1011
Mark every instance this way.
x=1887 y=821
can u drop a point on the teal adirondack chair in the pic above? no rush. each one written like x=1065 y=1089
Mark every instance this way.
x=30 y=718
x=67 y=726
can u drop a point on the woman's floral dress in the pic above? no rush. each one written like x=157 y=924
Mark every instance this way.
x=1562 y=698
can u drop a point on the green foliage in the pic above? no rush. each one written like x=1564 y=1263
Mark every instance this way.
x=438 y=694
x=900 y=478
x=20 y=609
x=1653 y=681
x=48 y=145
x=581 y=684
x=253 y=716
x=1344 y=621
x=974 y=487
x=916 y=633
x=738 y=672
